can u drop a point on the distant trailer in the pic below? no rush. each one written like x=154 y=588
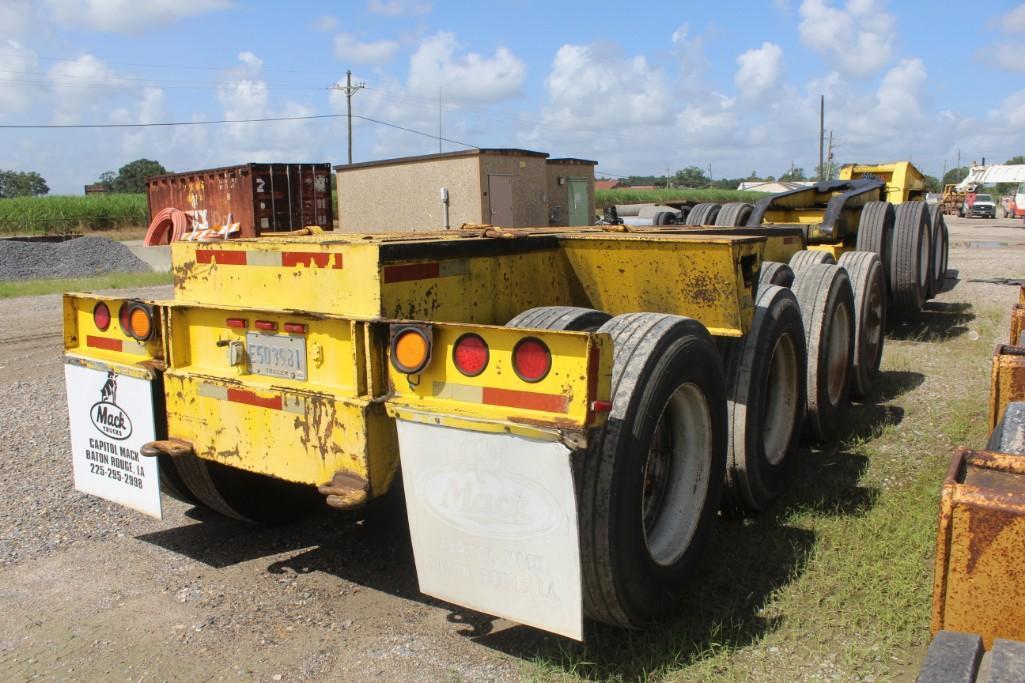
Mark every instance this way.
x=261 y=198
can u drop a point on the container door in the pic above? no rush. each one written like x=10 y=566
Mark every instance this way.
x=578 y=202
x=501 y=200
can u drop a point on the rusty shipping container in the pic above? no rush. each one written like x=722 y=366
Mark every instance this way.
x=262 y=198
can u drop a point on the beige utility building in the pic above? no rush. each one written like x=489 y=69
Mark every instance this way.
x=505 y=187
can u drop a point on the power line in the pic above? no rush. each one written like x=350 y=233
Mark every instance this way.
x=50 y=126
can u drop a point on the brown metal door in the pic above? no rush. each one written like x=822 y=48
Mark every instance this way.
x=501 y=200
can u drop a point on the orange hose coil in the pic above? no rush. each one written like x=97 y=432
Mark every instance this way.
x=169 y=225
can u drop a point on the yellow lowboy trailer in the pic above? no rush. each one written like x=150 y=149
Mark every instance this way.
x=563 y=419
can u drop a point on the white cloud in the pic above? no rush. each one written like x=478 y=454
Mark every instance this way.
x=1010 y=56
x=129 y=16
x=857 y=39
x=349 y=49
x=398 y=8
x=690 y=51
x=325 y=23
x=469 y=77
x=1014 y=20
x=759 y=71
x=594 y=86
x=15 y=17
x=78 y=87
x=17 y=94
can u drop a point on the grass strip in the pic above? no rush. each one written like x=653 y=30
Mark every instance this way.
x=10 y=290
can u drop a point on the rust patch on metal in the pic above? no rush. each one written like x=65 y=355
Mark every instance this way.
x=984 y=525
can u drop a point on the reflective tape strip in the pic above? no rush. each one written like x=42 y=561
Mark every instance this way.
x=458 y=392
x=222 y=257
x=321 y=259
x=135 y=348
x=285 y=402
x=212 y=391
x=275 y=259
x=105 y=343
x=408 y=272
x=509 y=398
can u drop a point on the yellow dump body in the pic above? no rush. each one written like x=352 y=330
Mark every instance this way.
x=903 y=181
x=327 y=305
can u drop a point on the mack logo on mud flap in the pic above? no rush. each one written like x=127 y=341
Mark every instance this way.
x=107 y=416
x=490 y=504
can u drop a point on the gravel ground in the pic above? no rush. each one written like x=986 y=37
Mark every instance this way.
x=80 y=257
x=91 y=590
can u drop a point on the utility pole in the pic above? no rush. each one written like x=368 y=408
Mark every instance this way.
x=958 y=167
x=349 y=91
x=828 y=171
x=440 y=111
x=822 y=132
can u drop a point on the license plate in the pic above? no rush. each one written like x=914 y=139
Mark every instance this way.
x=276 y=356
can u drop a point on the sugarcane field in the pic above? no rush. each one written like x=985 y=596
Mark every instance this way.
x=461 y=344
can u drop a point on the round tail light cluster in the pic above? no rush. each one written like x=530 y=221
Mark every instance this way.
x=470 y=355
x=136 y=319
x=101 y=316
x=531 y=360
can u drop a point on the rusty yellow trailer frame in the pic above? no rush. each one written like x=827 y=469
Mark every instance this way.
x=904 y=182
x=980 y=548
x=345 y=291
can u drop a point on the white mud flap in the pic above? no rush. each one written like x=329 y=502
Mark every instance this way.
x=493 y=520
x=111 y=417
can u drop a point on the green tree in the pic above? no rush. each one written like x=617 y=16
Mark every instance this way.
x=955 y=175
x=132 y=176
x=692 y=176
x=22 y=184
x=796 y=173
x=932 y=184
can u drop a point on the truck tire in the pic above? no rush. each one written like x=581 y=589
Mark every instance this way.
x=807 y=257
x=939 y=238
x=704 y=214
x=246 y=496
x=911 y=256
x=765 y=385
x=875 y=233
x=570 y=318
x=827 y=310
x=775 y=273
x=734 y=214
x=866 y=273
x=649 y=485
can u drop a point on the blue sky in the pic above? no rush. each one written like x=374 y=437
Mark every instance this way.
x=640 y=87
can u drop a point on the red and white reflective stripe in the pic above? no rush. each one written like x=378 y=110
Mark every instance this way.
x=507 y=398
x=276 y=259
x=119 y=345
x=272 y=401
x=409 y=272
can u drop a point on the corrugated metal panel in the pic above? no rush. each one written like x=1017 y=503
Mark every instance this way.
x=262 y=198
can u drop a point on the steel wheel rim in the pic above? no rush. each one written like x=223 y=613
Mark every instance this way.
x=676 y=475
x=838 y=354
x=780 y=400
x=872 y=325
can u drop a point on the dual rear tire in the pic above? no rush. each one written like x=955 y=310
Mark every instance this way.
x=649 y=483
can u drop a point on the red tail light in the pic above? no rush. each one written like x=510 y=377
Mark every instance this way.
x=295 y=328
x=470 y=355
x=237 y=322
x=266 y=325
x=532 y=360
x=101 y=316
